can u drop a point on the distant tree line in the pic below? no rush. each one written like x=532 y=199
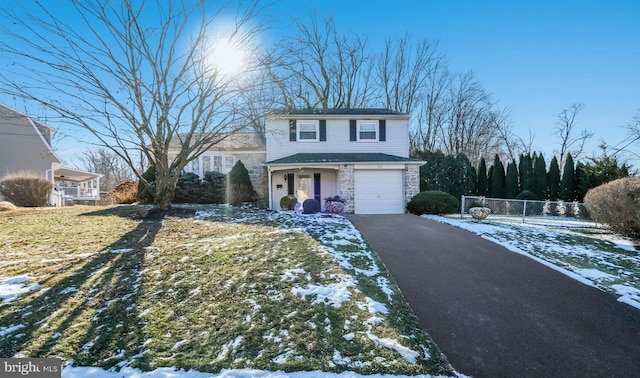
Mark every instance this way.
x=528 y=178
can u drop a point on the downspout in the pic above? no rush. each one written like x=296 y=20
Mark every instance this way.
x=269 y=184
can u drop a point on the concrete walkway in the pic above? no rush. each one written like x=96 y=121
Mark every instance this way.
x=495 y=313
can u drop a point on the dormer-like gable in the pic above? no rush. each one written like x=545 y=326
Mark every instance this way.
x=336 y=131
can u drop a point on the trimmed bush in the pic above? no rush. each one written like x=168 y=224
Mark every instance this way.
x=189 y=189
x=125 y=193
x=26 y=189
x=526 y=195
x=288 y=202
x=433 y=202
x=240 y=187
x=617 y=204
x=143 y=195
x=310 y=206
x=215 y=187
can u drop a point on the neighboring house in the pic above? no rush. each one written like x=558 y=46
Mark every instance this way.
x=246 y=147
x=361 y=155
x=25 y=145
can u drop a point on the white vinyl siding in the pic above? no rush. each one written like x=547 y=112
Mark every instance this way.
x=378 y=192
x=279 y=146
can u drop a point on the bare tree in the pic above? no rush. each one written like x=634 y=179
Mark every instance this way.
x=403 y=69
x=137 y=75
x=430 y=115
x=471 y=120
x=321 y=68
x=107 y=163
x=566 y=132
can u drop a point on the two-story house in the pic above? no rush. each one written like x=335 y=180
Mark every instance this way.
x=361 y=155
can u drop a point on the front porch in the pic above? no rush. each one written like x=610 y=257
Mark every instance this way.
x=73 y=186
x=303 y=183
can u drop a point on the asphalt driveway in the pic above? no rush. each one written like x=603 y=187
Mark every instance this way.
x=495 y=313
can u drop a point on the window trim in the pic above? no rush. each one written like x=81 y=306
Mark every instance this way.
x=376 y=127
x=315 y=124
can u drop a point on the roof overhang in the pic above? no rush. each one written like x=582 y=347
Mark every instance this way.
x=69 y=174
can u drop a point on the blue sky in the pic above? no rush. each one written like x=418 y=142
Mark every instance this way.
x=534 y=57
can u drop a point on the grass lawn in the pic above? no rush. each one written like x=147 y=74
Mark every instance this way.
x=204 y=288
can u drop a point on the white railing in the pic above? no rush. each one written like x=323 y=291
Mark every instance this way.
x=80 y=192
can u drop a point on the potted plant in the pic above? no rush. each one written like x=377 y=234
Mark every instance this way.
x=334 y=205
x=479 y=213
x=288 y=202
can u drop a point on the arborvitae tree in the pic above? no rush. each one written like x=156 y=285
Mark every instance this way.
x=451 y=174
x=553 y=180
x=511 y=181
x=481 y=184
x=497 y=179
x=582 y=182
x=489 y=184
x=526 y=173
x=466 y=177
x=539 y=177
x=239 y=186
x=567 y=184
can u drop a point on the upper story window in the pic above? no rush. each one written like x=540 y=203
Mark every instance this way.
x=368 y=131
x=308 y=131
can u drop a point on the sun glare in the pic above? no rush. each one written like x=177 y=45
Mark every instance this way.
x=228 y=59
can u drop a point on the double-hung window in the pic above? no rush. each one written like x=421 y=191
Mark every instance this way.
x=308 y=131
x=368 y=131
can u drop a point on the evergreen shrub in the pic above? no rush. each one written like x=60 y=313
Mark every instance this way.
x=26 y=189
x=433 y=202
x=310 y=206
x=189 y=189
x=616 y=204
x=288 y=202
x=215 y=187
x=240 y=186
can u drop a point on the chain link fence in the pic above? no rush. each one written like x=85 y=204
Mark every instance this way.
x=526 y=208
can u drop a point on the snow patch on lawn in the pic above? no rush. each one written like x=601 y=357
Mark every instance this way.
x=12 y=287
x=332 y=294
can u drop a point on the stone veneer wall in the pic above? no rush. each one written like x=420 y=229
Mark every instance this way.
x=346 y=186
x=411 y=182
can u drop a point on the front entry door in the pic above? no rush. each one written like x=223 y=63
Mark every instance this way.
x=304 y=190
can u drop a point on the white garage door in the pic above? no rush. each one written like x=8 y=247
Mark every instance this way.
x=378 y=192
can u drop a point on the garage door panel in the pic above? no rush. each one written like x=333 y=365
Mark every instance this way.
x=378 y=192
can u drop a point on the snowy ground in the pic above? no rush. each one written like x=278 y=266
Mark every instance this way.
x=357 y=278
x=580 y=249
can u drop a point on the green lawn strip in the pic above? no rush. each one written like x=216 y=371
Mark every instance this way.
x=208 y=294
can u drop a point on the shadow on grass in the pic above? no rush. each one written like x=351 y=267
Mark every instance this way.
x=144 y=212
x=86 y=311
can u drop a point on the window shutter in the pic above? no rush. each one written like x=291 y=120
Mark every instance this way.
x=323 y=130
x=382 y=126
x=352 y=130
x=292 y=130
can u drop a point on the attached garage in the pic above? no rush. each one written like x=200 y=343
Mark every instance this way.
x=378 y=191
